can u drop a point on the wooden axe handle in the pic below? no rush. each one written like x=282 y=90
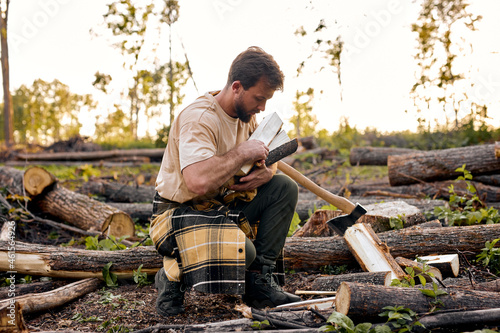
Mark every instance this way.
x=340 y=202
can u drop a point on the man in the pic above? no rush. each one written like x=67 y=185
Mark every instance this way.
x=202 y=224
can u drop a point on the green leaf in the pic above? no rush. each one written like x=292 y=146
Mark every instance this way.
x=428 y=292
x=109 y=278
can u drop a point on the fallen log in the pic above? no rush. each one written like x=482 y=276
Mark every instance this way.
x=358 y=300
x=375 y=155
x=448 y=264
x=314 y=252
x=462 y=320
x=22 y=289
x=54 y=261
x=332 y=282
x=91 y=155
x=441 y=164
x=11 y=318
x=116 y=192
x=84 y=212
x=140 y=211
x=36 y=180
x=493 y=285
x=12 y=180
x=50 y=299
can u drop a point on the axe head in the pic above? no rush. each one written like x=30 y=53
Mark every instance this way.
x=340 y=224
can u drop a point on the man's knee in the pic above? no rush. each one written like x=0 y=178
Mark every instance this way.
x=288 y=187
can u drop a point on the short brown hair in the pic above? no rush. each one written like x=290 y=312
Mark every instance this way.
x=252 y=64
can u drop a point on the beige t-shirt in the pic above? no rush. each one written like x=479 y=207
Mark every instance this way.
x=200 y=131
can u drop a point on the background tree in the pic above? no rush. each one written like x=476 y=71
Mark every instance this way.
x=152 y=82
x=437 y=29
x=304 y=120
x=47 y=112
x=8 y=111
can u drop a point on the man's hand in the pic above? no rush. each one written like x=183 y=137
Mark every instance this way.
x=259 y=176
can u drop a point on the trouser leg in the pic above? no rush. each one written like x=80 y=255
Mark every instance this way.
x=273 y=206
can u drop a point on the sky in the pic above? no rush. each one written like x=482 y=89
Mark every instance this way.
x=51 y=39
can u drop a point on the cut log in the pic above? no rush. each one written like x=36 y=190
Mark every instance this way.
x=448 y=264
x=314 y=252
x=466 y=283
x=316 y=225
x=11 y=318
x=461 y=321
x=375 y=155
x=85 y=213
x=34 y=287
x=116 y=192
x=441 y=164
x=140 y=211
x=370 y=252
x=91 y=155
x=358 y=300
x=60 y=262
x=48 y=300
x=332 y=282
x=418 y=267
x=37 y=179
x=12 y=180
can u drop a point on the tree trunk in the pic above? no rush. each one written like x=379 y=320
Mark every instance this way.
x=85 y=213
x=332 y=282
x=34 y=287
x=92 y=155
x=461 y=320
x=314 y=252
x=441 y=164
x=140 y=211
x=8 y=109
x=375 y=155
x=50 y=299
x=358 y=300
x=60 y=262
x=119 y=192
x=12 y=180
x=37 y=179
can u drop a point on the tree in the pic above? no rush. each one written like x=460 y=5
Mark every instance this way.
x=8 y=111
x=305 y=121
x=436 y=56
x=47 y=111
x=131 y=23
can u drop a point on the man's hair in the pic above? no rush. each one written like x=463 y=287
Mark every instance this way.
x=252 y=64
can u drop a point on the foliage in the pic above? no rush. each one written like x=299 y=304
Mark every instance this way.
x=304 y=120
x=333 y=270
x=396 y=223
x=109 y=277
x=402 y=319
x=107 y=244
x=294 y=224
x=338 y=322
x=47 y=112
x=435 y=292
x=409 y=280
x=141 y=278
x=260 y=325
x=466 y=208
x=490 y=256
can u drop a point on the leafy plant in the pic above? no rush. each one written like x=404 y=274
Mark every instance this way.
x=107 y=244
x=141 y=278
x=396 y=223
x=402 y=319
x=490 y=256
x=333 y=270
x=294 y=224
x=260 y=325
x=109 y=277
x=109 y=298
x=434 y=293
x=467 y=208
x=338 y=322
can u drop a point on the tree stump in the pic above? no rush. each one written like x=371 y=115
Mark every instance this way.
x=37 y=179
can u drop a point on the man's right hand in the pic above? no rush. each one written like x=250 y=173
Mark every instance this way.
x=252 y=151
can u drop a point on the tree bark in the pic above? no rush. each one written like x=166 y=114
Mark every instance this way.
x=375 y=155
x=119 y=192
x=92 y=155
x=48 y=300
x=8 y=108
x=441 y=164
x=22 y=289
x=54 y=261
x=12 y=180
x=462 y=320
x=314 y=252
x=85 y=213
x=332 y=282
x=140 y=211
x=359 y=300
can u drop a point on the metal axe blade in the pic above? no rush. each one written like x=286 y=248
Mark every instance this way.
x=340 y=224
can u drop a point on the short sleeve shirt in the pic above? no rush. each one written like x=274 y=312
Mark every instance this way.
x=200 y=131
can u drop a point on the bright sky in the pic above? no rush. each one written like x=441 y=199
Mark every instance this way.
x=50 y=39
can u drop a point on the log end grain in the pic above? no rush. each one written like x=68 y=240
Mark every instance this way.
x=118 y=224
x=37 y=179
x=343 y=299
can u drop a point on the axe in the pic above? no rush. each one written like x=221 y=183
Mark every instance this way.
x=338 y=224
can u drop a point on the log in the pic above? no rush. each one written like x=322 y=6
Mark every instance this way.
x=441 y=164
x=12 y=180
x=314 y=252
x=11 y=318
x=34 y=287
x=91 y=155
x=85 y=213
x=375 y=155
x=359 y=300
x=140 y=211
x=31 y=303
x=462 y=320
x=493 y=285
x=448 y=264
x=316 y=225
x=418 y=268
x=371 y=253
x=116 y=192
x=37 y=179
x=60 y=262
x=332 y=282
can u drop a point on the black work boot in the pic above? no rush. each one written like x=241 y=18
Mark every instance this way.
x=170 y=300
x=262 y=290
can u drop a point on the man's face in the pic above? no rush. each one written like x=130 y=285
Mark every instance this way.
x=252 y=101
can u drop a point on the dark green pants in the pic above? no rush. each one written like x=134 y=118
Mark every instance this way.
x=273 y=207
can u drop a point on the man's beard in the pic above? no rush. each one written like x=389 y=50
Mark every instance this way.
x=242 y=114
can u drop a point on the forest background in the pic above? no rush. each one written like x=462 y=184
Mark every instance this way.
x=420 y=74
